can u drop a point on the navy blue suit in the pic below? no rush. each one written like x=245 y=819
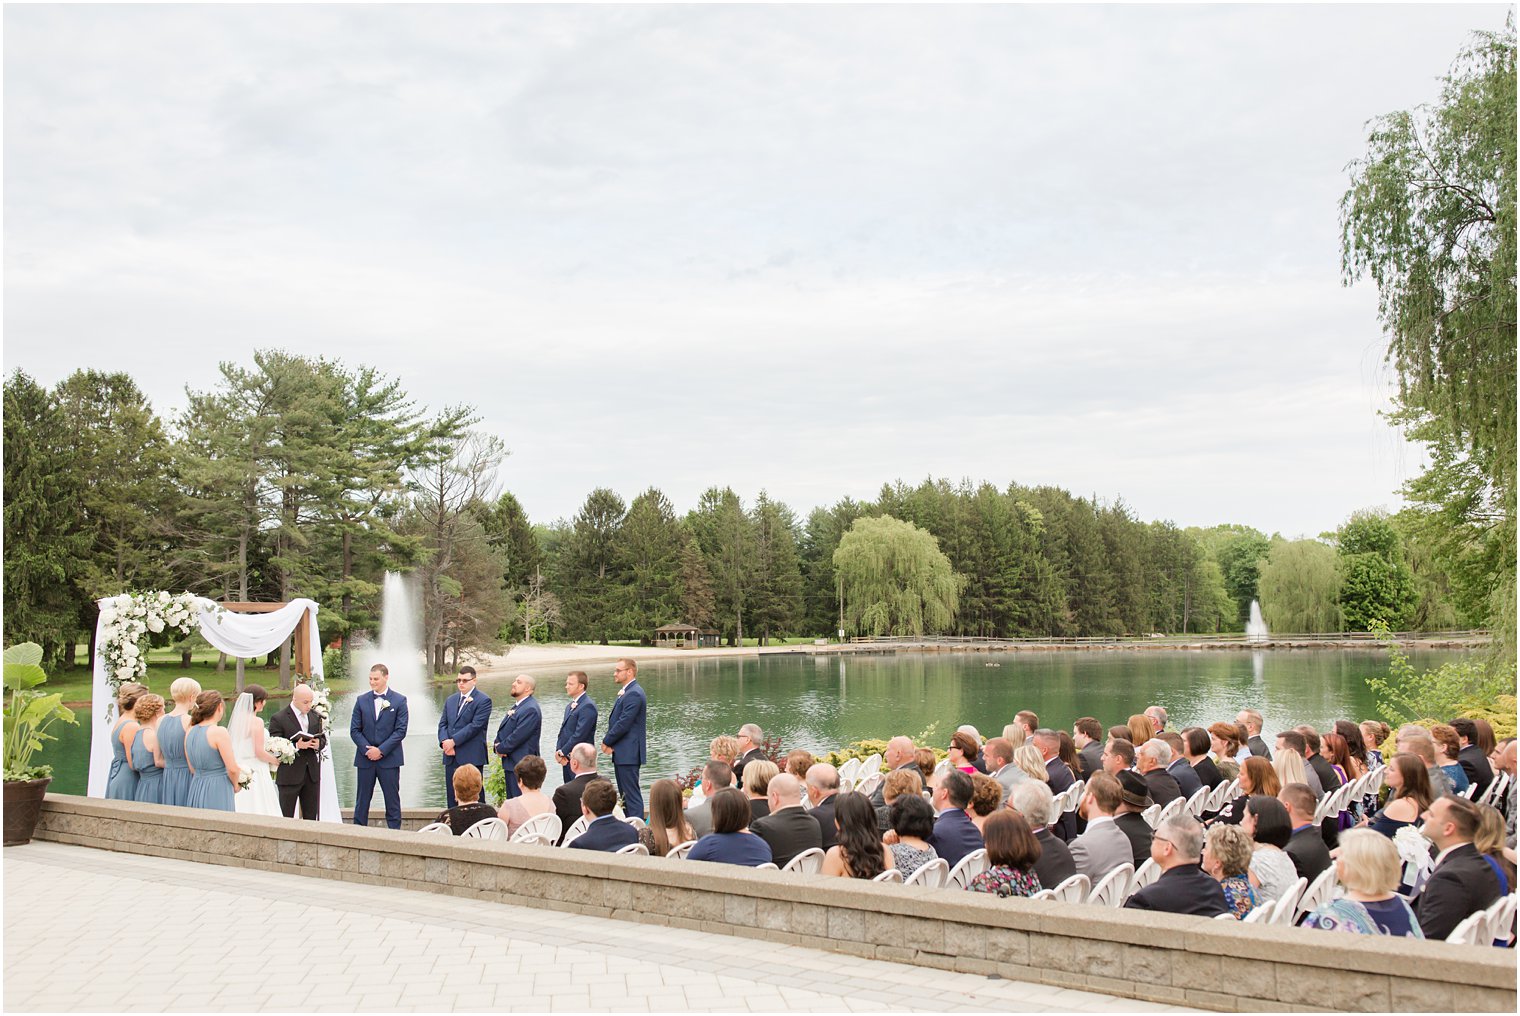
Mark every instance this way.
x=606 y=833
x=386 y=732
x=577 y=727
x=517 y=737
x=955 y=836
x=625 y=736
x=467 y=728
x=1187 y=779
x=1064 y=826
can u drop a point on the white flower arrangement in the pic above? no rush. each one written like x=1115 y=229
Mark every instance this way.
x=245 y=778
x=126 y=619
x=281 y=748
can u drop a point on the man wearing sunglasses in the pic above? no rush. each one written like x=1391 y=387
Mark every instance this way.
x=462 y=729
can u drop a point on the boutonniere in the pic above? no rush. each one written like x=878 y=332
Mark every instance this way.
x=620 y=692
x=384 y=704
x=512 y=712
x=467 y=701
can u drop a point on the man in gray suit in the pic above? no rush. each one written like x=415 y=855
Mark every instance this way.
x=715 y=776
x=999 y=755
x=1104 y=846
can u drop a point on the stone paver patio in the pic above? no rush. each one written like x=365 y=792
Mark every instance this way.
x=139 y=933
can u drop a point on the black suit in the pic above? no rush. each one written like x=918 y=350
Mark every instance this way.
x=823 y=814
x=1476 y=767
x=1208 y=773
x=789 y=832
x=1064 y=827
x=1308 y=851
x=1185 y=889
x=1329 y=779
x=1258 y=747
x=753 y=755
x=1055 y=864
x=567 y=800
x=877 y=798
x=1462 y=883
x=301 y=780
x=1163 y=787
x=1090 y=759
x=1188 y=782
x=1139 y=832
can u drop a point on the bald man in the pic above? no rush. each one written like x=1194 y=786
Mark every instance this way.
x=298 y=781
x=517 y=737
x=898 y=755
x=788 y=828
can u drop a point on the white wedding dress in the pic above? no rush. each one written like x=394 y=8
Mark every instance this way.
x=261 y=797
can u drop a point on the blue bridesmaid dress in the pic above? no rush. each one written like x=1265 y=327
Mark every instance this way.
x=209 y=786
x=121 y=784
x=171 y=745
x=150 y=778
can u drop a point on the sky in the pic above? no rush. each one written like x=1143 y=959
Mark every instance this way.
x=806 y=250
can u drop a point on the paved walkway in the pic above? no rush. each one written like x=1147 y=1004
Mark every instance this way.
x=91 y=930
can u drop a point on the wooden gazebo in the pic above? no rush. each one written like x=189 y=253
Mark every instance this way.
x=684 y=636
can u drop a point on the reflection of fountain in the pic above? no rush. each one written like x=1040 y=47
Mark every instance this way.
x=400 y=649
x=1256 y=628
x=1258 y=667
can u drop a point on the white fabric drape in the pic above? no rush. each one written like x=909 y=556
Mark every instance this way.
x=236 y=634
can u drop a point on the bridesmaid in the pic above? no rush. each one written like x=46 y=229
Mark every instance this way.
x=146 y=758
x=171 y=741
x=208 y=749
x=121 y=784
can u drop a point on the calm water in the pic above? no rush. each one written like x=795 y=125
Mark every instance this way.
x=823 y=702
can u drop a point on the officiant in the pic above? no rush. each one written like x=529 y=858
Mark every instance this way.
x=300 y=780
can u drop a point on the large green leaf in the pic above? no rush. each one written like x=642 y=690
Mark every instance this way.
x=25 y=652
x=20 y=676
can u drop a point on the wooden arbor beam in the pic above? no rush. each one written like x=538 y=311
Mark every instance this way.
x=302 y=630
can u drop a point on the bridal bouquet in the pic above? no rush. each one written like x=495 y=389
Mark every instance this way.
x=245 y=778
x=281 y=748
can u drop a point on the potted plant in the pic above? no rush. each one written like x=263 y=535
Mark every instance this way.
x=28 y=715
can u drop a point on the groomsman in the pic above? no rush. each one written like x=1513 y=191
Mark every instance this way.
x=579 y=723
x=517 y=737
x=624 y=739
x=378 y=728
x=462 y=729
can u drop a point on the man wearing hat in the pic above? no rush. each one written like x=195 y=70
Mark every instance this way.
x=1134 y=798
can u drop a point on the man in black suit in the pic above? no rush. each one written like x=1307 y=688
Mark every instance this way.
x=1464 y=881
x=606 y=832
x=1252 y=721
x=1307 y=845
x=788 y=828
x=1470 y=758
x=1151 y=759
x=1033 y=800
x=1059 y=778
x=1087 y=735
x=299 y=782
x=751 y=749
x=1195 y=748
x=1134 y=798
x=1184 y=887
x=1329 y=779
x=898 y=755
x=955 y=835
x=1292 y=740
x=567 y=796
x=1179 y=768
x=822 y=789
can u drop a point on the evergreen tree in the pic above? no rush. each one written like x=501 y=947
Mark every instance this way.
x=588 y=579
x=648 y=563
x=698 y=604
x=723 y=531
x=1377 y=586
x=776 y=604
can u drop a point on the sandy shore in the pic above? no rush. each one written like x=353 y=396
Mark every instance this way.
x=528 y=657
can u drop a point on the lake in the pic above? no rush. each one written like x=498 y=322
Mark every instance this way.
x=823 y=702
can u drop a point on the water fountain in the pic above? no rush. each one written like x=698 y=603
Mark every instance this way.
x=400 y=649
x=1256 y=628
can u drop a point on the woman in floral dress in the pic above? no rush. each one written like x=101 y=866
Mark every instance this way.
x=1012 y=852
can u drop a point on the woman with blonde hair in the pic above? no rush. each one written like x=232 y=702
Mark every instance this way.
x=1289 y=766
x=1141 y=729
x=724 y=748
x=1368 y=867
x=171 y=740
x=121 y=783
x=757 y=781
x=1015 y=734
x=1029 y=761
x=146 y=758
x=1227 y=857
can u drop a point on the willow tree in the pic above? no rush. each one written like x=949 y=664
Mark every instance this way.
x=1300 y=586
x=1430 y=217
x=893 y=579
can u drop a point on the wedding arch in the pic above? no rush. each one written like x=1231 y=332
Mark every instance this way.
x=244 y=630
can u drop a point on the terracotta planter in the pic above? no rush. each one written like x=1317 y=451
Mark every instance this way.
x=23 y=807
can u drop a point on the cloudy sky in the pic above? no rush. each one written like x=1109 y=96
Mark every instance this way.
x=800 y=249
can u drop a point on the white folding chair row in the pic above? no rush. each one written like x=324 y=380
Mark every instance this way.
x=932 y=874
x=1157 y=814
x=1286 y=905
x=869 y=784
x=487 y=829
x=1494 y=923
x=1112 y=889
x=970 y=866
x=438 y=827
x=541 y=829
x=1321 y=891
x=1497 y=788
x=1471 y=930
x=870 y=767
x=1468 y=791
x=1071 y=797
x=1335 y=802
x=1195 y=803
x=849 y=773
x=1223 y=795
x=1073 y=889
x=680 y=850
x=634 y=848
x=890 y=875
x=809 y=862
x=576 y=828
x=1147 y=873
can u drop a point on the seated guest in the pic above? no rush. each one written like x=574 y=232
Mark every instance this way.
x=530 y=771
x=731 y=842
x=999 y=755
x=1118 y=756
x=1157 y=716
x=1179 y=768
x=757 y=777
x=751 y=740
x=858 y=852
x=567 y=796
x=798 y=762
x=724 y=748
x=1134 y=798
x=1408 y=782
x=1272 y=871
x=979 y=763
x=1472 y=757
x=606 y=832
x=1224 y=740
x=1087 y=735
x=912 y=821
x=1119 y=732
x=716 y=776
x=667 y=826
x=1151 y=759
x=1368 y=868
x=927 y=762
x=1195 y=748
x=897 y=757
x=788 y=829
x=1016 y=734
x=1356 y=747
x=1027 y=722
x=822 y=787
x=1012 y=855
x=1184 y=887
x=897 y=783
x=1448 y=746
x=964 y=752
x=1374 y=733
x=1060 y=777
x=471 y=808
x=986 y=798
x=1337 y=751
x=1141 y=729
x=1463 y=880
x=1067 y=753
x=1306 y=847
x=1289 y=763
x=1316 y=762
x=1251 y=724
x=1227 y=857
x=1229 y=769
x=1416 y=740
x=1034 y=802
x=955 y=835
x=1490 y=841
x=1030 y=763
x=1104 y=846
x=1256 y=777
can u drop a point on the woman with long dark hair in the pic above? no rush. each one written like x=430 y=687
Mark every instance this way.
x=1409 y=781
x=667 y=822
x=859 y=852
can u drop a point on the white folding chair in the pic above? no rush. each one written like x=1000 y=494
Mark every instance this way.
x=1044 y=894
x=1261 y=915
x=1073 y=889
x=848 y=774
x=890 y=875
x=767 y=866
x=1467 y=792
x=970 y=866
x=487 y=829
x=809 y=862
x=1113 y=888
x=542 y=829
x=636 y=822
x=1172 y=809
x=1471 y=930
x=634 y=848
x=868 y=785
x=1288 y=901
x=576 y=828
x=437 y=827
x=1225 y=917
x=1152 y=815
x=932 y=874
x=1501 y=920
x=1196 y=802
x=1320 y=892
x=1147 y=873
x=680 y=850
x=870 y=767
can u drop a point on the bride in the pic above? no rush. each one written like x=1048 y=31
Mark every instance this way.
x=247 y=730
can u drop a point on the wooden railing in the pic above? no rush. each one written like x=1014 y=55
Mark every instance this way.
x=1475 y=634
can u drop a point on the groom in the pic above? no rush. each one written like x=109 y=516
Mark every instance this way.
x=378 y=727
x=300 y=780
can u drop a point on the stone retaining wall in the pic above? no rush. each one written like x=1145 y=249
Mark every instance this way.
x=1158 y=957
